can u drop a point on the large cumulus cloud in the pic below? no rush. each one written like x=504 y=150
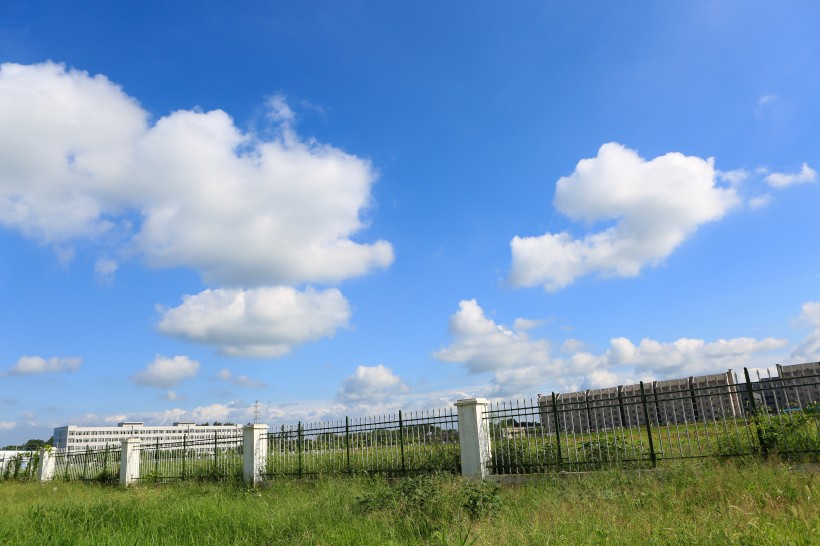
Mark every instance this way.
x=80 y=158
x=654 y=206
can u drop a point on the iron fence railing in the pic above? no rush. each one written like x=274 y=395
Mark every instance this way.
x=101 y=464
x=640 y=425
x=218 y=458
x=20 y=466
x=399 y=444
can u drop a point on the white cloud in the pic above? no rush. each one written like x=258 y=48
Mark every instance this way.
x=809 y=349
x=278 y=109
x=38 y=365
x=78 y=159
x=371 y=384
x=172 y=396
x=624 y=363
x=600 y=379
x=522 y=380
x=572 y=345
x=482 y=345
x=262 y=322
x=770 y=106
x=104 y=269
x=687 y=356
x=760 y=201
x=522 y=366
x=7 y=425
x=654 y=204
x=766 y=99
x=213 y=412
x=241 y=380
x=734 y=177
x=166 y=372
x=781 y=180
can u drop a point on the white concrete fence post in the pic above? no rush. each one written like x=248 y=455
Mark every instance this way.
x=473 y=437
x=130 y=461
x=255 y=450
x=45 y=473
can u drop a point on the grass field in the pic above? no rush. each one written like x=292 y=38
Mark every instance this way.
x=697 y=502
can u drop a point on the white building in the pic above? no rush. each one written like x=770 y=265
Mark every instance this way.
x=75 y=438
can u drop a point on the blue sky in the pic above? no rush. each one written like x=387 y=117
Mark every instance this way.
x=350 y=208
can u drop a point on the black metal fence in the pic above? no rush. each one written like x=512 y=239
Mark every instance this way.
x=399 y=444
x=215 y=458
x=90 y=465
x=642 y=425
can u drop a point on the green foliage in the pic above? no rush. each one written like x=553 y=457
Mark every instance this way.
x=602 y=452
x=524 y=456
x=481 y=498
x=21 y=467
x=732 y=444
x=431 y=503
x=689 y=503
x=371 y=460
x=792 y=436
x=31 y=445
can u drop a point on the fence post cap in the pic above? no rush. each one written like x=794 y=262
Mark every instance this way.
x=255 y=426
x=471 y=401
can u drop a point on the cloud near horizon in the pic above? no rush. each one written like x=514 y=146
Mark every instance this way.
x=655 y=206
x=482 y=345
x=520 y=364
x=809 y=349
x=79 y=160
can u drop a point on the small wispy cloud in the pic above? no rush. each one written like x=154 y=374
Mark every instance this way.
x=759 y=201
x=104 y=270
x=781 y=180
x=28 y=365
x=239 y=380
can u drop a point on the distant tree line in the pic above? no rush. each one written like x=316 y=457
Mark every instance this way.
x=31 y=445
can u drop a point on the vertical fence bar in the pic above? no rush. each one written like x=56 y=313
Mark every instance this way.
x=401 y=442
x=216 y=468
x=347 y=441
x=86 y=462
x=621 y=409
x=557 y=429
x=764 y=451
x=648 y=428
x=156 y=459
x=184 y=453
x=299 y=446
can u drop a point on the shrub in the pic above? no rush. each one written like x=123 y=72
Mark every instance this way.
x=792 y=436
x=601 y=452
x=480 y=498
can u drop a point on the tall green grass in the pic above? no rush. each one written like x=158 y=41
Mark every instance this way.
x=700 y=502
